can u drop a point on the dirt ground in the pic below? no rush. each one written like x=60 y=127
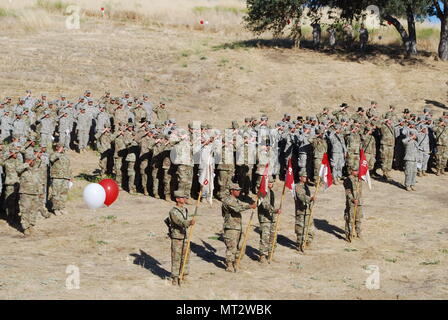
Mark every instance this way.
x=122 y=252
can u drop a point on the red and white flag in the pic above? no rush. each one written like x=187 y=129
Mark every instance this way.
x=363 y=172
x=206 y=178
x=264 y=181
x=289 y=179
x=325 y=172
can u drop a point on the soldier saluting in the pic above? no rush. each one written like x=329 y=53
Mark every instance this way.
x=179 y=221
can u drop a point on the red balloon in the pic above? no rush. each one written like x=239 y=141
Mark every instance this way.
x=111 y=188
x=202 y=21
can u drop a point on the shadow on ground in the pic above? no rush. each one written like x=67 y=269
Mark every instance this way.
x=149 y=263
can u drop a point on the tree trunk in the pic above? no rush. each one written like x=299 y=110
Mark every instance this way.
x=443 y=44
x=402 y=31
x=411 y=44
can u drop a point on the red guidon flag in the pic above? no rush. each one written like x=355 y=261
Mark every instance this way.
x=289 y=179
x=325 y=172
x=264 y=181
x=363 y=172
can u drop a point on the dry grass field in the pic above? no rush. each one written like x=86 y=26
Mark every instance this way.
x=216 y=73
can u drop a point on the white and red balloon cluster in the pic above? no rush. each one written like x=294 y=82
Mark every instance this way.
x=104 y=193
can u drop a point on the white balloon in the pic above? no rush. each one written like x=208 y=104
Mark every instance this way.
x=94 y=196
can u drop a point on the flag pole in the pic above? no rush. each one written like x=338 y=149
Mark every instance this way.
x=243 y=246
x=274 y=238
x=190 y=234
x=311 y=215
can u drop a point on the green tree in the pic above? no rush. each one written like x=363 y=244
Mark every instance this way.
x=272 y=15
x=390 y=11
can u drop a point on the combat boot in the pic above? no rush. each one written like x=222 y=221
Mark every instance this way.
x=229 y=266
x=419 y=174
x=262 y=259
x=28 y=232
x=424 y=173
x=234 y=267
x=413 y=188
x=408 y=189
x=175 y=281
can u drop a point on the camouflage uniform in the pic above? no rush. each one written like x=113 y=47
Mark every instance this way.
x=179 y=225
x=353 y=142
x=369 y=146
x=41 y=167
x=320 y=146
x=387 y=148
x=146 y=146
x=303 y=204
x=28 y=197
x=410 y=158
x=12 y=168
x=156 y=165
x=441 y=134
x=266 y=218
x=104 y=147
x=60 y=174
x=131 y=158
x=353 y=191
x=231 y=211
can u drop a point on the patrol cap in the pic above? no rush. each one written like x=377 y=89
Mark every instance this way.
x=87 y=91
x=30 y=156
x=264 y=118
x=286 y=115
x=360 y=109
x=302 y=173
x=172 y=120
x=247 y=119
x=208 y=126
x=344 y=105
x=235 y=124
x=306 y=126
x=406 y=111
x=43 y=94
x=445 y=113
x=63 y=96
x=145 y=95
x=180 y=194
x=373 y=102
x=234 y=186
x=426 y=110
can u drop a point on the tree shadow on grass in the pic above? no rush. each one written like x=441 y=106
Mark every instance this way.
x=436 y=104
x=394 y=52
